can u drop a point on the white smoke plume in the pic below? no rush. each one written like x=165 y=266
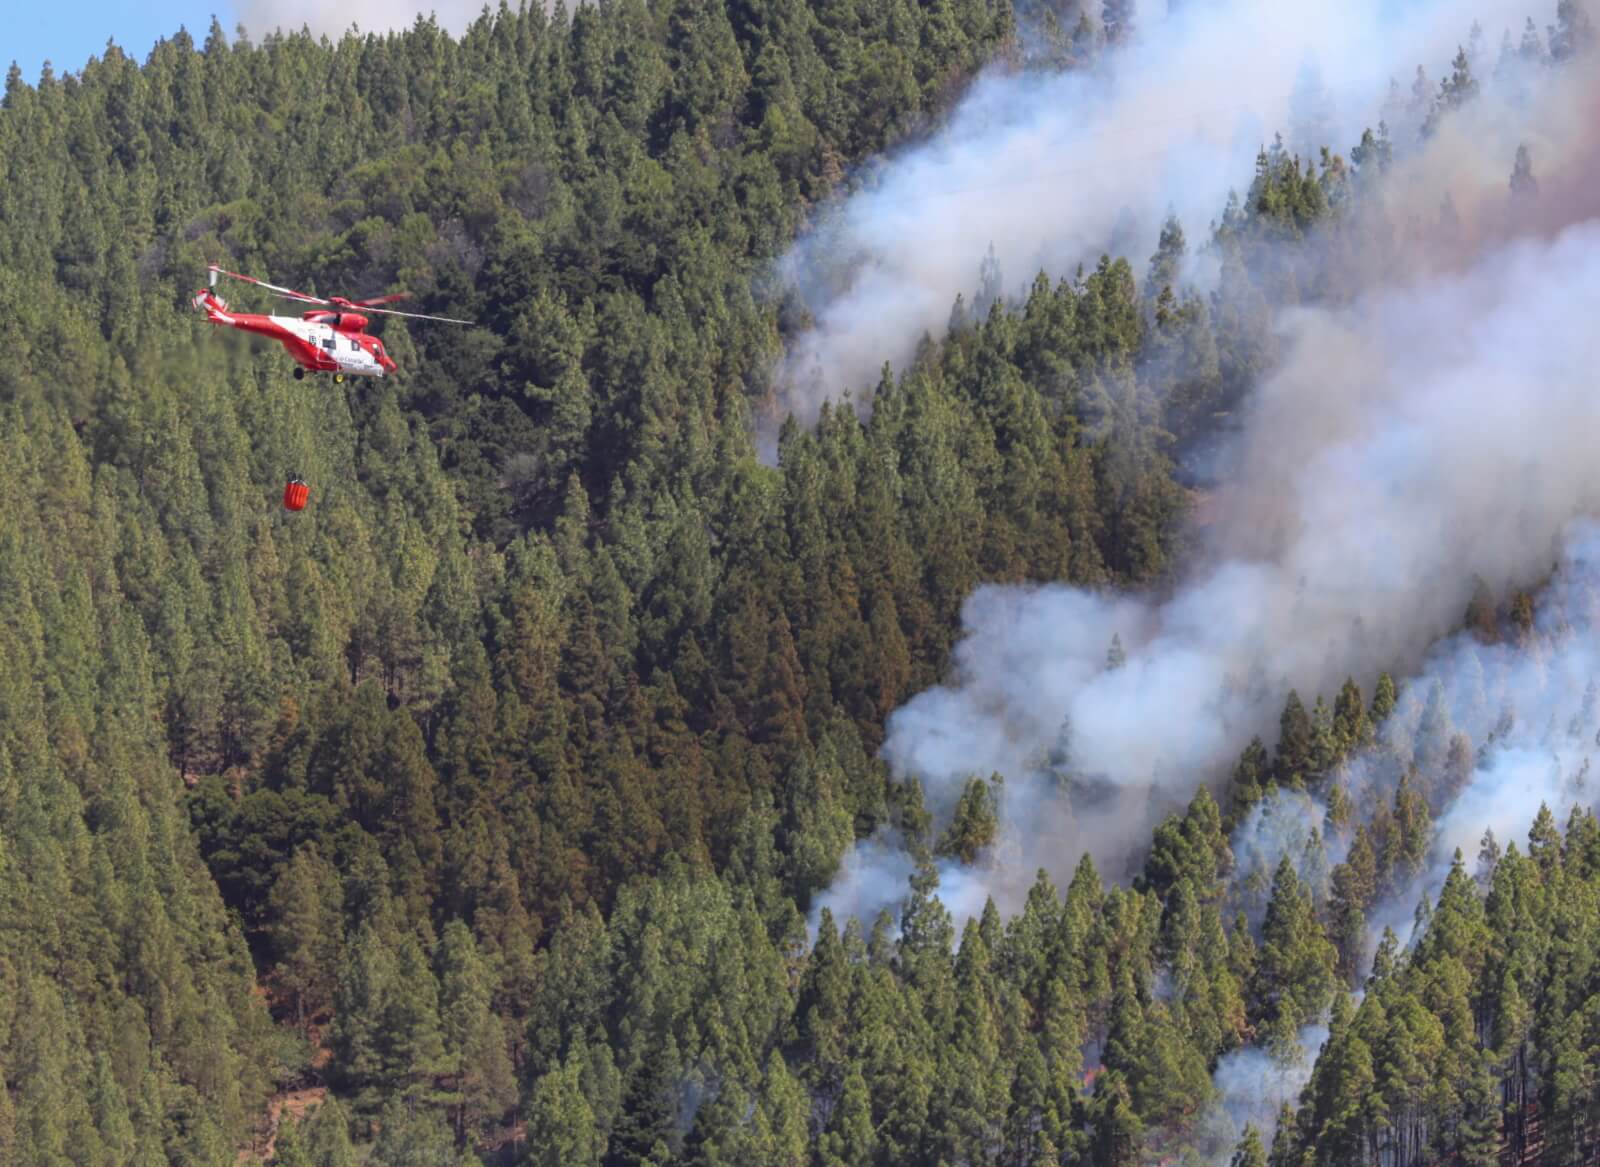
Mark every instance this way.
x=1286 y=824
x=1252 y=1086
x=1532 y=709
x=1433 y=430
x=1052 y=170
x=1469 y=465
x=260 y=17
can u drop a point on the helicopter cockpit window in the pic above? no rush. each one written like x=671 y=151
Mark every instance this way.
x=354 y=347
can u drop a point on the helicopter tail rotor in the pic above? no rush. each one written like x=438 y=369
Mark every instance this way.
x=206 y=300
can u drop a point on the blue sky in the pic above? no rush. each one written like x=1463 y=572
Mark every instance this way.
x=68 y=34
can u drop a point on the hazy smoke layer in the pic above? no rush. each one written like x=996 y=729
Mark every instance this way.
x=1053 y=170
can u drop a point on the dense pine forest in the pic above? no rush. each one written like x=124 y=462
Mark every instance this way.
x=479 y=809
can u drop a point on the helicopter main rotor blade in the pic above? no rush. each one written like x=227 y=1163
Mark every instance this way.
x=301 y=297
x=421 y=316
x=385 y=311
x=286 y=293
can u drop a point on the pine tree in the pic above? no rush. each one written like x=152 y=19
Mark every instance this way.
x=412 y=1138
x=1531 y=48
x=1116 y=17
x=1480 y=1126
x=473 y=1038
x=1167 y=261
x=645 y=1130
x=1384 y=698
x=561 y=1126
x=975 y=825
x=308 y=930
x=1118 y=1131
x=1295 y=974
x=1351 y=728
x=1524 y=186
x=289 y=1148
x=1480 y=617
x=1295 y=733
x=360 y=1035
x=1573 y=34
x=850 y=1140
x=1460 y=87
x=1252 y=771
x=327 y=1136
x=1249 y=1152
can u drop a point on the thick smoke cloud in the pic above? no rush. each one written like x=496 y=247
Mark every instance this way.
x=1053 y=170
x=1436 y=429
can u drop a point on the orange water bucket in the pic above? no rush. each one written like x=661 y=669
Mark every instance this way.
x=295 y=495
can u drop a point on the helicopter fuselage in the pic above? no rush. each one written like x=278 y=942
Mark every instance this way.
x=320 y=342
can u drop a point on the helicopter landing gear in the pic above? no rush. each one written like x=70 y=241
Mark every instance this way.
x=299 y=373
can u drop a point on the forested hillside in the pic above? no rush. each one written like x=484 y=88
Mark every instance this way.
x=492 y=791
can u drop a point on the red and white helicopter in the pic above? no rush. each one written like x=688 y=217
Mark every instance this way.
x=332 y=339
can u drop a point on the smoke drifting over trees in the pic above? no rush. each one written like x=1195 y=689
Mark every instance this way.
x=1409 y=442
x=564 y=784
x=1426 y=423
x=1053 y=169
